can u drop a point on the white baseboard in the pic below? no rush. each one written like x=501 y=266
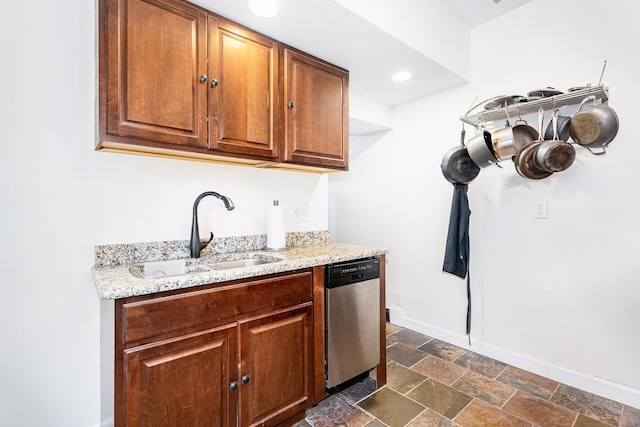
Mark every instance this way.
x=598 y=386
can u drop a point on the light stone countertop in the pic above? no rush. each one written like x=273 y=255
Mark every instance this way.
x=114 y=282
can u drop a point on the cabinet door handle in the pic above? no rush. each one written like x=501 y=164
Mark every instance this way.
x=246 y=379
x=233 y=386
x=214 y=82
x=203 y=78
x=290 y=104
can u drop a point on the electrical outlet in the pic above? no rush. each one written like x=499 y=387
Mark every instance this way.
x=301 y=212
x=540 y=210
x=397 y=299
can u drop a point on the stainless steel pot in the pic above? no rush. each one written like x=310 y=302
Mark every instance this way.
x=480 y=149
x=523 y=160
x=554 y=155
x=508 y=141
x=523 y=135
x=503 y=143
x=594 y=126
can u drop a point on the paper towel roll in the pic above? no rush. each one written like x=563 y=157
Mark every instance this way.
x=275 y=227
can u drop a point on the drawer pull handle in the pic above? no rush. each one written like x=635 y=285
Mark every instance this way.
x=233 y=386
x=246 y=379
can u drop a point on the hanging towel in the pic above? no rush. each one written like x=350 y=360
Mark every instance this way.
x=456 y=257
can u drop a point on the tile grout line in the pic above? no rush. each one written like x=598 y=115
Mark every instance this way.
x=619 y=412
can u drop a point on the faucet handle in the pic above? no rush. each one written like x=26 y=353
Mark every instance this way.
x=204 y=244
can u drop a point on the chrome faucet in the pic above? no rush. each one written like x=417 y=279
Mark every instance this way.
x=196 y=245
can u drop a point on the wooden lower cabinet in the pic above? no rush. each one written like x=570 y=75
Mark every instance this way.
x=275 y=366
x=181 y=381
x=195 y=368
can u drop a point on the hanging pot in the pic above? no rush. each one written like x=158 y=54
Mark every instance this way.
x=503 y=143
x=594 y=126
x=457 y=166
x=524 y=158
x=508 y=141
x=523 y=135
x=563 y=129
x=554 y=155
x=480 y=149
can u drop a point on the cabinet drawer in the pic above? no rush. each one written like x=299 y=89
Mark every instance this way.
x=155 y=316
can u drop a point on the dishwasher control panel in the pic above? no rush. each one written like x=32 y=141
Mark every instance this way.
x=352 y=272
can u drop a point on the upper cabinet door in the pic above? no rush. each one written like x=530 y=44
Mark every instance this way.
x=315 y=112
x=243 y=92
x=152 y=74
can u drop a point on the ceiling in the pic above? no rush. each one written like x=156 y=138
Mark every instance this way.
x=332 y=32
x=477 y=12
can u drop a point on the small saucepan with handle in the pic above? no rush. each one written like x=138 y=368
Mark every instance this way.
x=503 y=143
x=554 y=155
x=480 y=149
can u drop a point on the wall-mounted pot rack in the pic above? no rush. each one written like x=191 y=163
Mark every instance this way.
x=521 y=109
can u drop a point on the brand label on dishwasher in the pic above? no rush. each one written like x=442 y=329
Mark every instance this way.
x=355 y=269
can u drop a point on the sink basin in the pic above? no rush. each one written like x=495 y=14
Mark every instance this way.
x=174 y=267
x=178 y=267
x=238 y=263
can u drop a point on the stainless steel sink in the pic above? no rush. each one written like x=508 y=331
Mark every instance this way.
x=238 y=263
x=178 y=267
x=168 y=268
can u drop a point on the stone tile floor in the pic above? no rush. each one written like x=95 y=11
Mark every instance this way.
x=431 y=383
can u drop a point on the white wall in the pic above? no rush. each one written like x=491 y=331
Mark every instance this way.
x=558 y=296
x=59 y=198
x=421 y=24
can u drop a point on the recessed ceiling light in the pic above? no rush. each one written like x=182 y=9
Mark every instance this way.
x=264 y=8
x=401 y=76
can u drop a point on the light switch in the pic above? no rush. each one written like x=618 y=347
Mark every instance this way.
x=540 y=210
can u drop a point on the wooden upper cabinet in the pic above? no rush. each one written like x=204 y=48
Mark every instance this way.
x=315 y=111
x=150 y=86
x=243 y=93
x=176 y=80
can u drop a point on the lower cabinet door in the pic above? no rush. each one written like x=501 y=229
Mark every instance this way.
x=183 y=381
x=276 y=368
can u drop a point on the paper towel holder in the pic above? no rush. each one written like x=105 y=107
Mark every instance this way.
x=281 y=235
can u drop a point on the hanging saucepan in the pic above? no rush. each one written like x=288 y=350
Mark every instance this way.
x=507 y=141
x=457 y=166
x=563 y=129
x=524 y=158
x=594 y=126
x=554 y=155
x=481 y=150
x=502 y=143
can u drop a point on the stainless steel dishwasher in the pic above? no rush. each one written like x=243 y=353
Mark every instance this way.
x=352 y=319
